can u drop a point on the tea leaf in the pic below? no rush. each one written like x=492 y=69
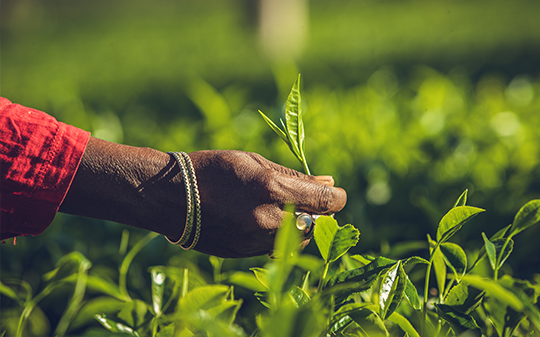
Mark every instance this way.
x=115 y=327
x=464 y=298
x=262 y=276
x=462 y=200
x=370 y=323
x=349 y=282
x=204 y=297
x=499 y=244
x=293 y=119
x=455 y=258
x=412 y=294
x=438 y=265
x=274 y=127
x=527 y=216
x=460 y=322
x=332 y=240
x=414 y=260
x=494 y=289
x=158 y=285
x=404 y=324
x=299 y=296
x=454 y=220
x=393 y=286
x=491 y=252
x=246 y=280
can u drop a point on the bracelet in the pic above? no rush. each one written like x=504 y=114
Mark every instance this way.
x=193 y=201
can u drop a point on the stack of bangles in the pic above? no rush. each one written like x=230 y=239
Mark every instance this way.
x=193 y=201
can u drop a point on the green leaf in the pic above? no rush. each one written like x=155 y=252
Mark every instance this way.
x=494 y=289
x=158 y=285
x=404 y=324
x=454 y=220
x=293 y=119
x=414 y=260
x=5 y=290
x=103 y=305
x=204 y=297
x=340 y=319
x=247 y=280
x=438 y=265
x=455 y=258
x=353 y=281
x=460 y=322
x=527 y=216
x=299 y=296
x=491 y=251
x=499 y=244
x=262 y=276
x=115 y=327
x=274 y=127
x=370 y=323
x=462 y=200
x=332 y=240
x=412 y=294
x=393 y=286
x=464 y=298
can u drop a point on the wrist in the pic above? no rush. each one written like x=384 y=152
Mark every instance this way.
x=139 y=187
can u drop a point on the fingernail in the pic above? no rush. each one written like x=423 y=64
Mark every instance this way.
x=325 y=179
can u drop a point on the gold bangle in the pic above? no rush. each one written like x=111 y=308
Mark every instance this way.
x=196 y=196
x=193 y=201
x=189 y=200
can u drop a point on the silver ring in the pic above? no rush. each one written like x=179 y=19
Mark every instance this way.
x=305 y=222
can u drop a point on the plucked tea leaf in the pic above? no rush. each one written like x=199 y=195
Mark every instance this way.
x=455 y=258
x=393 y=286
x=332 y=240
x=274 y=127
x=293 y=118
x=454 y=220
x=527 y=216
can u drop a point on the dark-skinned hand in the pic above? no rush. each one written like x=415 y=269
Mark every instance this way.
x=242 y=195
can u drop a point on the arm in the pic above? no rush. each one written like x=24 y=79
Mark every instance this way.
x=242 y=195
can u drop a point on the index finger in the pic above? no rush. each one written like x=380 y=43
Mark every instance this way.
x=310 y=194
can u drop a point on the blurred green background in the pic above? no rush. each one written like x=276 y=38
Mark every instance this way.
x=407 y=104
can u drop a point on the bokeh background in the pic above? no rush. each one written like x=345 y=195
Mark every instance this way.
x=407 y=104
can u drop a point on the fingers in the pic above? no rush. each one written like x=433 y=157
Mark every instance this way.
x=311 y=194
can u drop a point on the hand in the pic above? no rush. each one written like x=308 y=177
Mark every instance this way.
x=242 y=200
x=242 y=195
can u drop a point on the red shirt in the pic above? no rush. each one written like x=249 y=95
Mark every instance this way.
x=38 y=160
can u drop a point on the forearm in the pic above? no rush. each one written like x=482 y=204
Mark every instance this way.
x=140 y=187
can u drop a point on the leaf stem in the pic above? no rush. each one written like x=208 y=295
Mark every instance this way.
x=426 y=289
x=323 y=276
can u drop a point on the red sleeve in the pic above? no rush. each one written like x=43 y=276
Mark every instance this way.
x=38 y=160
